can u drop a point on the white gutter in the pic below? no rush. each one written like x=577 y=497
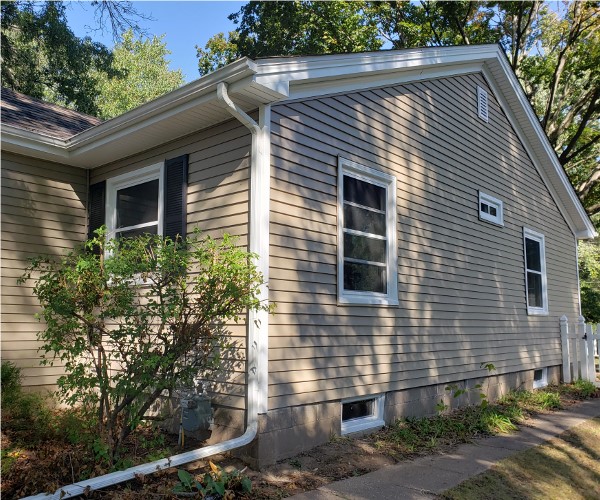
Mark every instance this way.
x=256 y=348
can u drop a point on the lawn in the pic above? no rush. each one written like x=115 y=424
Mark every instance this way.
x=566 y=467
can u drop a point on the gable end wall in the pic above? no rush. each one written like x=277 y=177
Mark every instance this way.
x=461 y=281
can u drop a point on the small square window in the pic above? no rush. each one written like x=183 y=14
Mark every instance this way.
x=490 y=209
x=359 y=414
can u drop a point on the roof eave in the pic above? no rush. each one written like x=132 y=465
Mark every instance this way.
x=26 y=142
x=523 y=118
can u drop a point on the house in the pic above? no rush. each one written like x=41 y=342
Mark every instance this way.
x=410 y=216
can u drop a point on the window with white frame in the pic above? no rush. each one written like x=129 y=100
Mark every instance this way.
x=367 y=254
x=540 y=378
x=535 y=272
x=359 y=414
x=134 y=203
x=491 y=209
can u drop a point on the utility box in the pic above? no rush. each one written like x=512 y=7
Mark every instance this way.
x=197 y=413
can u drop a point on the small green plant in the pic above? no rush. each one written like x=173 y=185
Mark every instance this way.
x=584 y=389
x=10 y=377
x=295 y=463
x=215 y=483
x=23 y=413
x=496 y=422
x=458 y=391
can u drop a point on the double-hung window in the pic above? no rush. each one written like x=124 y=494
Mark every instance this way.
x=367 y=254
x=134 y=203
x=535 y=272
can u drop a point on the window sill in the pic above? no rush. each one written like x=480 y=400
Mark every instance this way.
x=366 y=300
x=491 y=220
x=536 y=311
x=361 y=424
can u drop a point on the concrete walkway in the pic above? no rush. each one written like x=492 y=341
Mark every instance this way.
x=426 y=477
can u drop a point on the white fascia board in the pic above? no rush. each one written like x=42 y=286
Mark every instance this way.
x=17 y=140
x=523 y=119
x=316 y=75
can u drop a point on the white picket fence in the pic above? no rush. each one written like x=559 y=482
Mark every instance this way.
x=580 y=350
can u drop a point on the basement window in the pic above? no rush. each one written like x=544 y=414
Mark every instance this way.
x=359 y=414
x=491 y=209
x=540 y=378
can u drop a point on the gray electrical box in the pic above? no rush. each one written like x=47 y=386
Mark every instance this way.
x=197 y=413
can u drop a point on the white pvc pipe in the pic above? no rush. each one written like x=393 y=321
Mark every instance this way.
x=113 y=478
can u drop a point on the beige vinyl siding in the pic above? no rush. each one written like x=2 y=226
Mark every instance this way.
x=217 y=202
x=43 y=213
x=461 y=281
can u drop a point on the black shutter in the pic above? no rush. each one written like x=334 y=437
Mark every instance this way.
x=175 y=200
x=96 y=217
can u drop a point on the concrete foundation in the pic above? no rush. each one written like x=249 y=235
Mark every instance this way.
x=286 y=432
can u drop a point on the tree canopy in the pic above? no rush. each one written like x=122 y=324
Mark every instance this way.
x=140 y=73
x=43 y=58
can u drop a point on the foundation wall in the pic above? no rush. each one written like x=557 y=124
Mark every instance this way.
x=286 y=432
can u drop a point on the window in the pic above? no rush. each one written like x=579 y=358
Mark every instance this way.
x=540 y=378
x=482 y=104
x=367 y=262
x=360 y=414
x=490 y=209
x=535 y=272
x=134 y=203
x=149 y=200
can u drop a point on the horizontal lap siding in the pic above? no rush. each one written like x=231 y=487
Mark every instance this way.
x=217 y=203
x=43 y=213
x=460 y=280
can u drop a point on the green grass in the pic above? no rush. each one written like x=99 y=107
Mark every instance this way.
x=567 y=467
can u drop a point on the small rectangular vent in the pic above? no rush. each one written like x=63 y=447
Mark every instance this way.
x=482 y=104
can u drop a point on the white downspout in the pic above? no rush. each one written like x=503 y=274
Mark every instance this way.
x=257 y=350
x=258 y=229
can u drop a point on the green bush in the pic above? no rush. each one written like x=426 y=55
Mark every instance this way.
x=10 y=377
x=133 y=318
x=26 y=414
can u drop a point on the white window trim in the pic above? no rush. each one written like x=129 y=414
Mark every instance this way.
x=388 y=182
x=493 y=202
x=130 y=179
x=538 y=384
x=539 y=237
x=364 y=423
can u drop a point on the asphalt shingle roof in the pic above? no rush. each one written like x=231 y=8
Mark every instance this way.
x=27 y=113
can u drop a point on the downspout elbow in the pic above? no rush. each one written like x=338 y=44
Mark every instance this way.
x=235 y=110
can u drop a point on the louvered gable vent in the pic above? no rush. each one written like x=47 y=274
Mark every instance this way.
x=482 y=104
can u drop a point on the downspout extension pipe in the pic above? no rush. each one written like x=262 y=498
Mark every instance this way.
x=113 y=478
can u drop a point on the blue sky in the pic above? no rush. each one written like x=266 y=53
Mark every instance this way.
x=185 y=24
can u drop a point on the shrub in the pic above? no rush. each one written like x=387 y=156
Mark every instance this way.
x=138 y=317
x=22 y=412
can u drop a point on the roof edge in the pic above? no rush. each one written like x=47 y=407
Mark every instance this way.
x=231 y=73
